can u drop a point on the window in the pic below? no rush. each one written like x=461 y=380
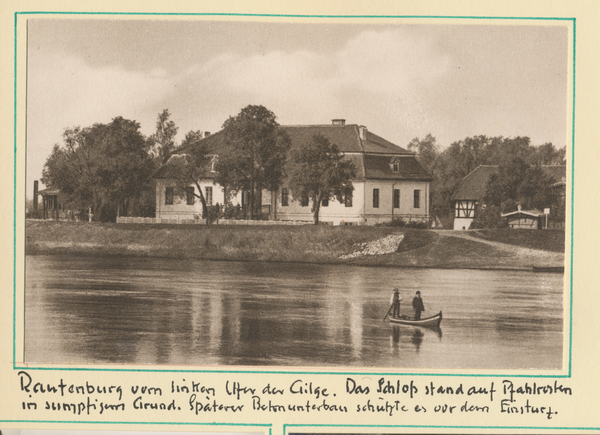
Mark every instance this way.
x=169 y=195
x=325 y=202
x=189 y=195
x=396 y=198
x=396 y=167
x=208 y=198
x=304 y=201
x=284 y=196
x=417 y=199
x=375 y=198
x=348 y=199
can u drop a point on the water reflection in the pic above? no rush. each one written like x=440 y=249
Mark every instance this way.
x=104 y=310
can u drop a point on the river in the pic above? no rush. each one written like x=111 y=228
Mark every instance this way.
x=89 y=310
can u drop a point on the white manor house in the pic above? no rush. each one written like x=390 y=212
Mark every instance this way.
x=389 y=184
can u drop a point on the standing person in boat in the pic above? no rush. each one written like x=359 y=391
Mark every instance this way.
x=396 y=298
x=417 y=304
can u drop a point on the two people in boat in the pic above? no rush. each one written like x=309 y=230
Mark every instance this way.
x=417 y=304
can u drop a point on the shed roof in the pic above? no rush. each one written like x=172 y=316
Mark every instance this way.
x=533 y=213
x=49 y=191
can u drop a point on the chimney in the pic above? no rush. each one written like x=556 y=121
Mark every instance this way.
x=206 y=134
x=338 y=122
x=362 y=131
x=35 y=195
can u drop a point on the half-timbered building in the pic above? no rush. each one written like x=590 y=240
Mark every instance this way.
x=472 y=189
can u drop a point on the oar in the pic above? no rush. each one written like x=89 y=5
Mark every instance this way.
x=388 y=312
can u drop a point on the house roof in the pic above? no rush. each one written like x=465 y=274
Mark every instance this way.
x=172 y=168
x=380 y=167
x=474 y=185
x=346 y=137
x=371 y=155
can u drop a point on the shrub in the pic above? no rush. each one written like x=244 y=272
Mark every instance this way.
x=488 y=217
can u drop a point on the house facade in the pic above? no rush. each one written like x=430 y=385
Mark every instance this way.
x=389 y=184
x=472 y=189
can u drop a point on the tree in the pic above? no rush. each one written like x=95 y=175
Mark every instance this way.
x=547 y=154
x=318 y=171
x=518 y=183
x=192 y=165
x=426 y=151
x=454 y=163
x=163 y=141
x=106 y=166
x=255 y=154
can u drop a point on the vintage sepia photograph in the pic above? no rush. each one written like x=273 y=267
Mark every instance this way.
x=313 y=193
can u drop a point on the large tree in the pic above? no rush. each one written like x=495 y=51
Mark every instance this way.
x=518 y=183
x=255 y=153
x=105 y=166
x=318 y=171
x=192 y=163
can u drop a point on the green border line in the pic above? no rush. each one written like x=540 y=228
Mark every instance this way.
x=222 y=14
x=573 y=21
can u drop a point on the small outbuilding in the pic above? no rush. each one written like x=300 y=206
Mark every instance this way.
x=51 y=207
x=528 y=219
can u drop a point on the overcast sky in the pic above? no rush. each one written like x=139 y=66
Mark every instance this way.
x=401 y=81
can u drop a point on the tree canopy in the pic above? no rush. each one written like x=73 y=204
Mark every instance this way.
x=191 y=166
x=255 y=154
x=163 y=140
x=105 y=166
x=517 y=182
x=455 y=162
x=318 y=171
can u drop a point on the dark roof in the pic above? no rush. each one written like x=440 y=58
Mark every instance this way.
x=171 y=169
x=346 y=137
x=371 y=156
x=474 y=185
x=380 y=167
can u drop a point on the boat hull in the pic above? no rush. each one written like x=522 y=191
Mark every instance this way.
x=433 y=321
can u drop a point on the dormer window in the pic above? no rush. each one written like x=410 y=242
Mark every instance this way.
x=394 y=164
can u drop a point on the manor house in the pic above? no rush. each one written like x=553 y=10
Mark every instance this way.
x=389 y=184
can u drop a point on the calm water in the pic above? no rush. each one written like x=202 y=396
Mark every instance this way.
x=162 y=311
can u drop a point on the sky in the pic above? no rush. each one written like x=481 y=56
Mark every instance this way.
x=399 y=80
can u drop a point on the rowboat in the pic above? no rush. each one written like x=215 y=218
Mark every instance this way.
x=433 y=321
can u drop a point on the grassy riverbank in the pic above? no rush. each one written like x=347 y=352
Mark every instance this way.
x=313 y=244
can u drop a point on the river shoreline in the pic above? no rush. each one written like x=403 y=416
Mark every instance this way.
x=301 y=244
